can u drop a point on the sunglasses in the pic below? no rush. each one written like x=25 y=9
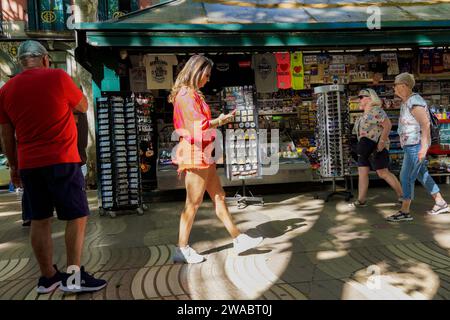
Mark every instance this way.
x=362 y=97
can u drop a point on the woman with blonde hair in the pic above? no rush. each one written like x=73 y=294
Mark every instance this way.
x=372 y=130
x=193 y=122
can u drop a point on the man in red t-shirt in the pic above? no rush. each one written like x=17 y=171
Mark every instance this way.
x=40 y=141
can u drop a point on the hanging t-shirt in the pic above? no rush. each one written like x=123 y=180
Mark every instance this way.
x=123 y=67
x=138 y=79
x=283 y=70
x=298 y=74
x=265 y=68
x=230 y=70
x=224 y=72
x=160 y=70
x=438 y=61
x=446 y=61
x=136 y=61
x=426 y=65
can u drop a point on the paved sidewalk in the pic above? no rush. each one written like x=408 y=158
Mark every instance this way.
x=312 y=250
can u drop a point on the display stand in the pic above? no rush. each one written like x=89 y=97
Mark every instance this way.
x=119 y=178
x=243 y=200
x=346 y=193
x=242 y=142
x=333 y=137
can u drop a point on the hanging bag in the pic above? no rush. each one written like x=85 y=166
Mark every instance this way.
x=434 y=127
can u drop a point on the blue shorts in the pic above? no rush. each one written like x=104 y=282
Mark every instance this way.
x=59 y=187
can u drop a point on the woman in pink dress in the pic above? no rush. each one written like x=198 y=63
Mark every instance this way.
x=193 y=122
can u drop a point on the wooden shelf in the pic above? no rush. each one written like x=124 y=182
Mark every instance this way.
x=432 y=77
x=359 y=111
x=277 y=113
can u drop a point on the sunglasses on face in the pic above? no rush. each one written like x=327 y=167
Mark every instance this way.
x=362 y=97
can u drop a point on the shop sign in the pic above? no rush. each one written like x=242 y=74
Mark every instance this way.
x=10 y=48
x=48 y=16
x=13 y=51
x=118 y=14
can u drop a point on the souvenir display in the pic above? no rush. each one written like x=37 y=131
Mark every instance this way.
x=118 y=161
x=333 y=131
x=241 y=143
x=144 y=106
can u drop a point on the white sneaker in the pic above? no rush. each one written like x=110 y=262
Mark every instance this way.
x=187 y=255
x=243 y=243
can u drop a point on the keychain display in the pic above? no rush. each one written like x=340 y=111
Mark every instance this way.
x=144 y=108
x=241 y=144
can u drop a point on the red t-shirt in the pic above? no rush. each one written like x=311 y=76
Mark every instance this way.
x=283 y=70
x=39 y=104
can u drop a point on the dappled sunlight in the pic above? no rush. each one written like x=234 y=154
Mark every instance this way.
x=8 y=245
x=10 y=213
x=327 y=255
x=57 y=235
x=311 y=250
x=439 y=227
x=384 y=205
x=252 y=276
x=5 y=68
x=412 y=282
x=349 y=227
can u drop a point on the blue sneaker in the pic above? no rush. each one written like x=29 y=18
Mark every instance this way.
x=86 y=283
x=47 y=285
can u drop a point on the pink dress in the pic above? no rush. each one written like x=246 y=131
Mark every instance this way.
x=192 y=120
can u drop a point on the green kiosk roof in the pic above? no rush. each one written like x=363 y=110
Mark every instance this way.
x=269 y=23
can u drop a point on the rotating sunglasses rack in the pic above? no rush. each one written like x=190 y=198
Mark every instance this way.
x=333 y=137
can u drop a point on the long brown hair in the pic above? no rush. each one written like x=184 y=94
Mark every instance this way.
x=191 y=74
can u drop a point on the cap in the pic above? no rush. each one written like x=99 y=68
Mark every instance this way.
x=405 y=78
x=31 y=48
x=364 y=92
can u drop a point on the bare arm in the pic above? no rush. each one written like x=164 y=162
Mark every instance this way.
x=387 y=126
x=222 y=119
x=420 y=114
x=82 y=106
x=10 y=149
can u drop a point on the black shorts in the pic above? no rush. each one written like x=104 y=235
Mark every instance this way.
x=369 y=157
x=59 y=187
